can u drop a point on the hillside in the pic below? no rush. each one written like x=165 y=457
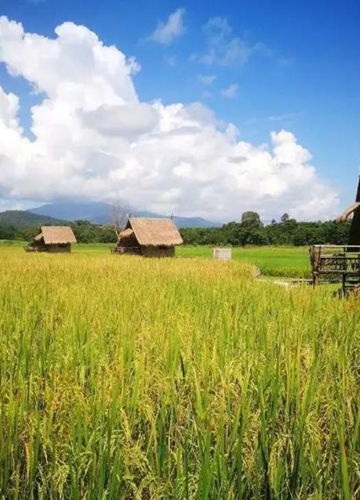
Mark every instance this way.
x=100 y=213
x=181 y=222
x=22 y=219
x=96 y=212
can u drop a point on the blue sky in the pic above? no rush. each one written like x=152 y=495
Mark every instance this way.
x=301 y=73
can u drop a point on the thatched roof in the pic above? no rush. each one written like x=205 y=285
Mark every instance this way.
x=346 y=214
x=154 y=232
x=56 y=235
x=126 y=233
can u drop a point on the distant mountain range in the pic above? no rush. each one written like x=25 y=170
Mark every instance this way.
x=100 y=213
x=95 y=212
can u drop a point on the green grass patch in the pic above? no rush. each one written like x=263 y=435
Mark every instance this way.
x=290 y=262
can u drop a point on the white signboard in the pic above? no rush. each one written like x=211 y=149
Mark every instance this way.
x=222 y=253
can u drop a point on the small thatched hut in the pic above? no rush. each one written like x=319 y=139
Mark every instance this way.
x=149 y=237
x=53 y=239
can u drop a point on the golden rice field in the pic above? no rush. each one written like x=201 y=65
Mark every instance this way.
x=126 y=378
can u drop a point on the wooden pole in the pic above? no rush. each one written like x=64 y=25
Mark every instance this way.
x=354 y=238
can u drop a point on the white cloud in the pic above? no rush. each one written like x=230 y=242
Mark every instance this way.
x=225 y=49
x=222 y=48
x=184 y=169
x=123 y=121
x=166 y=32
x=230 y=91
x=94 y=139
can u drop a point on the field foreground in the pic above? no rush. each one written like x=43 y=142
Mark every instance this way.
x=128 y=378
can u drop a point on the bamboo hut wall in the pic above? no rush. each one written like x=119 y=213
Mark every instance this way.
x=150 y=251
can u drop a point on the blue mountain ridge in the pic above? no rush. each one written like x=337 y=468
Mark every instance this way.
x=100 y=213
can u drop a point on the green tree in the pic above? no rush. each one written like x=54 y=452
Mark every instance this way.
x=251 y=220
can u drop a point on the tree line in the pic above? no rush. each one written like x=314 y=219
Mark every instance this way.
x=249 y=231
x=85 y=232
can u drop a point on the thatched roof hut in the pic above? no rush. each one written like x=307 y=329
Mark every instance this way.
x=149 y=237
x=53 y=239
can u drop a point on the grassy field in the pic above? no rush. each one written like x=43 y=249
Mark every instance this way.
x=292 y=262
x=129 y=378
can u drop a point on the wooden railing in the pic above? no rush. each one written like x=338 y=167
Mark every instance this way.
x=336 y=264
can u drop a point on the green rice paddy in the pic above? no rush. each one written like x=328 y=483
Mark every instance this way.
x=131 y=378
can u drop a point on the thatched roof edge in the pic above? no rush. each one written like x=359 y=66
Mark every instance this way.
x=57 y=235
x=154 y=232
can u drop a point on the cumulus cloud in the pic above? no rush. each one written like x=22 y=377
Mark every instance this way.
x=123 y=121
x=230 y=91
x=94 y=139
x=166 y=32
